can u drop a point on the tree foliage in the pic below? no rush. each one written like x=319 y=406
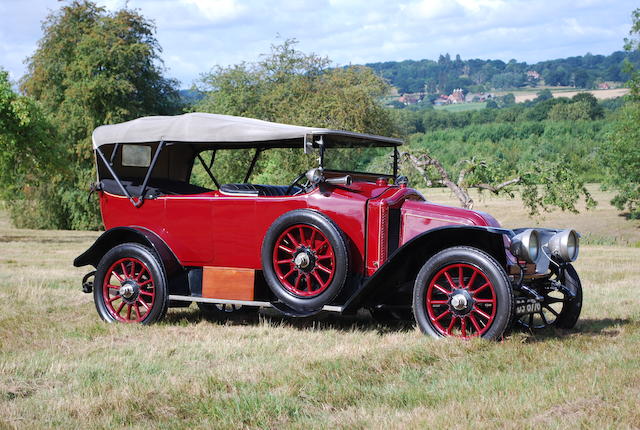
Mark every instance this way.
x=27 y=156
x=475 y=75
x=91 y=68
x=622 y=154
x=289 y=86
x=555 y=186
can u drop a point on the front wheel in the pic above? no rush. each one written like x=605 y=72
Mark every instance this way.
x=562 y=301
x=130 y=285
x=462 y=292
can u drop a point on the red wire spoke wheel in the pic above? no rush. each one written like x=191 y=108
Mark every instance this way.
x=128 y=290
x=463 y=292
x=461 y=301
x=132 y=285
x=304 y=260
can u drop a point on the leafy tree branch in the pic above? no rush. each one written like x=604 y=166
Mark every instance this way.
x=554 y=186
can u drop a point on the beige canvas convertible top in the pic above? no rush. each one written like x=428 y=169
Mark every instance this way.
x=225 y=131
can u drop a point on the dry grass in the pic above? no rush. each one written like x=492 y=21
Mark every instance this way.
x=61 y=367
x=523 y=96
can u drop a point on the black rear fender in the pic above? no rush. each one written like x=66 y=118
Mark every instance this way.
x=398 y=273
x=119 y=235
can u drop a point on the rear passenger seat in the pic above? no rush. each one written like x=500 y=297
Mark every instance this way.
x=156 y=187
x=256 y=190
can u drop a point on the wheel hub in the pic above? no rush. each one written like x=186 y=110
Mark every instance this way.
x=461 y=302
x=129 y=291
x=302 y=260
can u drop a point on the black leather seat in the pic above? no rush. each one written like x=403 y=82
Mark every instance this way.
x=156 y=187
x=256 y=190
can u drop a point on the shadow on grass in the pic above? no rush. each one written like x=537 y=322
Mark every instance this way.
x=321 y=321
x=629 y=216
x=587 y=327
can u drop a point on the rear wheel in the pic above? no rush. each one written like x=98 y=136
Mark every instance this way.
x=462 y=292
x=130 y=285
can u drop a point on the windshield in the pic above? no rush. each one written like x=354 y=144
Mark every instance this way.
x=362 y=159
x=282 y=165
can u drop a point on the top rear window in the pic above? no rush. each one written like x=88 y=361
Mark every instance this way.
x=136 y=155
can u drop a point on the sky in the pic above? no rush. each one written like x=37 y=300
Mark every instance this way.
x=197 y=35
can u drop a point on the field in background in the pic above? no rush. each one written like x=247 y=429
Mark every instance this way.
x=60 y=366
x=604 y=225
x=524 y=95
x=461 y=107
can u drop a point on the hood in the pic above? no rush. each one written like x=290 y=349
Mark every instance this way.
x=421 y=216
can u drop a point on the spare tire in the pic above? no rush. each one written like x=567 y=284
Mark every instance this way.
x=305 y=260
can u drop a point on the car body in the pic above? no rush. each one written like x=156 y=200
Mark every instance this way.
x=341 y=241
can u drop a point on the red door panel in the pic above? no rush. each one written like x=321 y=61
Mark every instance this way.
x=187 y=228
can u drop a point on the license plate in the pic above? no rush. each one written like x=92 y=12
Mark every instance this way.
x=527 y=306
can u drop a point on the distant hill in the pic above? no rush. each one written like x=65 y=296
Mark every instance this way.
x=475 y=75
x=190 y=97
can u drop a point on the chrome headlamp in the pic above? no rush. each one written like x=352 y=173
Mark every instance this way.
x=526 y=245
x=315 y=175
x=565 y=245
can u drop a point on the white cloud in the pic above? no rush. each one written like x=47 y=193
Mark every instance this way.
x=434 y=9
x=198 y=34
x=218 y=10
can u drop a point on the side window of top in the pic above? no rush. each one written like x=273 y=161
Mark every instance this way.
x=136 y=156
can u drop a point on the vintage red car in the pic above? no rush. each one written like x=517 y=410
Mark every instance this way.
x=332 y=240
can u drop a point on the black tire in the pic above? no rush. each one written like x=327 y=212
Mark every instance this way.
x=289 y=290
x=572 y=307
x=552 y=315
x=124 y=263
x=222 y=310
x=497 y=296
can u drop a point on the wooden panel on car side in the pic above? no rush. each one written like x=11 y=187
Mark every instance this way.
x=228 y=283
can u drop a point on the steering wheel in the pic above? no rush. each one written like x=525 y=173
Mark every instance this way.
x=295 y=182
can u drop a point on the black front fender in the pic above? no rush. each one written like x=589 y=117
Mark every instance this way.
x=402 y=267
x=119 y=235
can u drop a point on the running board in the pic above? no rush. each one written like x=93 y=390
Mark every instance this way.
x=328 y=308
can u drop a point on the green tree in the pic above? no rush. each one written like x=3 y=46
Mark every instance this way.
x=623 y=152
x=555 y=186
x=28 y=156
x=91 y=68
x=575 y=111
x=623 y=159
x=632 y=44
x=292 y=87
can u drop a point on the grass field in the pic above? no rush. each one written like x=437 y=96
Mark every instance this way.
x=530 y=94
x=461 y=107
x=61 y=367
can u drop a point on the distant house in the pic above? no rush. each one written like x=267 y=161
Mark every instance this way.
x=532 y=75
x=457 y=96
x=478 y=97
x=604 y=86
x=411 y=99
x=442 y=100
